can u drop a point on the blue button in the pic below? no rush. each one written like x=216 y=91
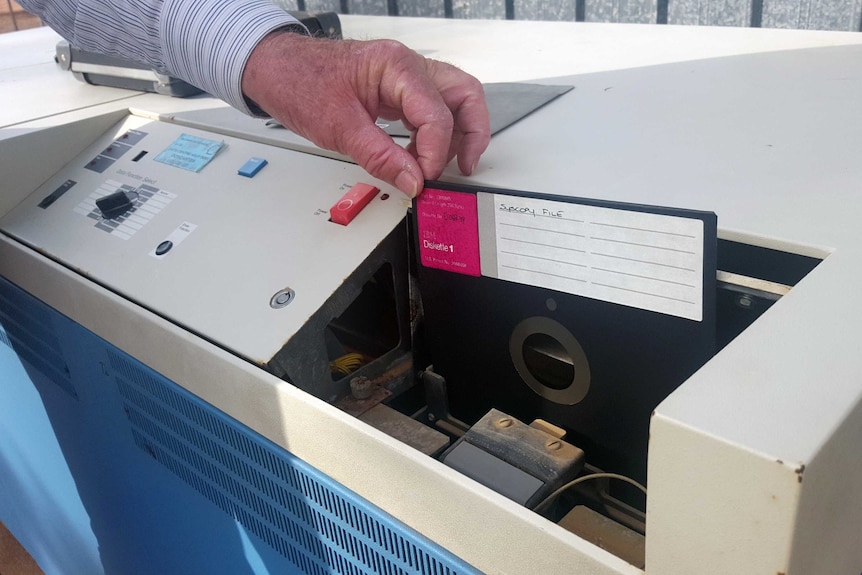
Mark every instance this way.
x=251 y=167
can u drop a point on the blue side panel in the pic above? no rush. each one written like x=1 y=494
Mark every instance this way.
x=39 y=501
x=159 y=481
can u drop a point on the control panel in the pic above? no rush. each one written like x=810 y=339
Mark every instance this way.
x=207 y=230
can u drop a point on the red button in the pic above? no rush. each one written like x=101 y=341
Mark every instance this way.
x=352 y=203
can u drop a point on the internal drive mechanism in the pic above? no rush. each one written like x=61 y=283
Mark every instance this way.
x=524 y=463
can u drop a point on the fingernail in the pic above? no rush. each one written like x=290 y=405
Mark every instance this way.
x=407 y=183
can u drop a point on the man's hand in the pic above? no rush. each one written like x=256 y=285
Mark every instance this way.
x=332 y=91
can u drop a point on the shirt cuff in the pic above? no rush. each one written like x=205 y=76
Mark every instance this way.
x=208 y=42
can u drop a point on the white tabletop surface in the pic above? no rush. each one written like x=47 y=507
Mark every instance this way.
x=32 y=86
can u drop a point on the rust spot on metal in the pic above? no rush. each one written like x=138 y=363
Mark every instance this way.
x=393 y=373
x=357 y=407
x=799 y=471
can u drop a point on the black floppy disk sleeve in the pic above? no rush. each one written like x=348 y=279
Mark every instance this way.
x=636 y=357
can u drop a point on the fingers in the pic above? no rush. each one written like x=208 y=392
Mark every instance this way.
x=464 y=96
x=446 y=109
x=454 y=121
x=473 y=133
x=431 y=145
x=408 y=92
x=332 y=92
x=447 y=125
x=376 y=152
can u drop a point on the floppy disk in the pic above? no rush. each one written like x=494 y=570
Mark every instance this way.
x=583 y=312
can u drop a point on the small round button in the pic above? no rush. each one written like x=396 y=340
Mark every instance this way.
x=281 y=298
x=164 y=247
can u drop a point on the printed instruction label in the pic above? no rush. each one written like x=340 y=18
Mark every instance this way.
x=448 y=228
x=190 y=152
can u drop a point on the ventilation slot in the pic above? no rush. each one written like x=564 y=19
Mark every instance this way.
x=26 y=327
x=314 y=522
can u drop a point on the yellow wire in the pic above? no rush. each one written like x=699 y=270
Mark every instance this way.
x=346 y=363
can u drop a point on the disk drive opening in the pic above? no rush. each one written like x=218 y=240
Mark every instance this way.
x=367 y=329
x=751 y=279
x=548 y=361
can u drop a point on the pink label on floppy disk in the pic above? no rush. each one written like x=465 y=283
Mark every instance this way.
x=448 y=231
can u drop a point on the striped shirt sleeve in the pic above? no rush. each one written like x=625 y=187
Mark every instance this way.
x=204 y=42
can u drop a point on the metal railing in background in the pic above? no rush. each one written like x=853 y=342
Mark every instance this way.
x=12 y=14
x=843 y=15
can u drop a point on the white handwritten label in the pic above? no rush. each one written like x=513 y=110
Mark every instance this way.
x=638 y=259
